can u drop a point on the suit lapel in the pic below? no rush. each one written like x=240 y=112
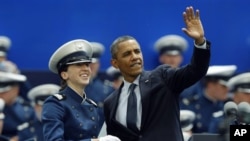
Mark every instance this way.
x=145 y=86
x=114 y=103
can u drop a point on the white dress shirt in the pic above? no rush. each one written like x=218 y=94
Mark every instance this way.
x=121 y=113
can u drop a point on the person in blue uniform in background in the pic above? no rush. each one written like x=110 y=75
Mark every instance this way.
x=239 y=86
x=98 y=89
x=115 y=77
x=19 y=114
x=70 y=114
x=5 y=45
x=187 y=118
x=210 y=101
x=171 y=49
x=37 y=96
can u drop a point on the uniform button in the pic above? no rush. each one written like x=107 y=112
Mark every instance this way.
x=197 y=106
x=198 y=116
x=140 y=136
x=32 y=129
x=80 y=124
x=77 y=115
x=185 y=101
x=94 y=137
x=73 y=107
x=95 y=126
x=93 y=118
x=100 y=104
x=25 y=108
x=80 y=135
x=199 y=124
x=91 y=109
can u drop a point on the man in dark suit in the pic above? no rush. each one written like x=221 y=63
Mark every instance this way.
x=157 y=92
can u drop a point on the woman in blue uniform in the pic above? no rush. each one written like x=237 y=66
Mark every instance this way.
x=70 y=114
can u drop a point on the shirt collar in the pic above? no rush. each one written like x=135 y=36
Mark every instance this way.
x=136 y=81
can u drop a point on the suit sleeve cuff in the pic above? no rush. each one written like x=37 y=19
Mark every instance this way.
x=202 y=46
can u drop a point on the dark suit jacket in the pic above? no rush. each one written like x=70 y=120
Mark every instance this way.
x=160 y=90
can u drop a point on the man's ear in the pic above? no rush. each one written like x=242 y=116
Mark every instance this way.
x=114 y=63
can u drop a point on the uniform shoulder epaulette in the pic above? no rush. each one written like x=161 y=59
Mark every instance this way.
x=59 y=96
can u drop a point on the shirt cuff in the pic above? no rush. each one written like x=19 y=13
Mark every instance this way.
x=203 y=46
x=2 y=116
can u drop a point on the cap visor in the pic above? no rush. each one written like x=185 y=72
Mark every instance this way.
x=244 y=90
x=10 y=77
x=5 y=89
x=94 y=60
x=2 y=54
x=79 y=61
x=187 y=128
x=173 y=52
x=223 y=82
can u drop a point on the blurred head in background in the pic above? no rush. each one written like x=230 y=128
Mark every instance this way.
x=5 y=44
x=215 y=81
x=10 y=79
x=170 y=49
x=115 y=77
x=240 y=87
x=98 y=50
x=39 y=94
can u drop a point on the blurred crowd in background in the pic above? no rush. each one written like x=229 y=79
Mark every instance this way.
x=22 y=92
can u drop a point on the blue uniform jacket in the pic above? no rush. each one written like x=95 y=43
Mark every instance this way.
x=18 y=121
x=204 y=110
x=69 y=118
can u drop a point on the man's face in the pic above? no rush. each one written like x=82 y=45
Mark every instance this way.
x=129 y=59
x=10 y=96
x=241 y=97
x=172 y=60
x=217 y=91
x=95 y=66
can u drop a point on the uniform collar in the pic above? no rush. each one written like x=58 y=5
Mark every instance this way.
x=71 y=93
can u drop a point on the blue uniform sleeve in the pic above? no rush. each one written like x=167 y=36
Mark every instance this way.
x=53 y=116
x=52 y=119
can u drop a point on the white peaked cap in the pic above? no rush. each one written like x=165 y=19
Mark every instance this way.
x=240 y=82
x=221 y=70
x=171 y=44
x=112 y=70
x=10 y=73
x=5 y=44
x=72 y=52
x=98 y=50
x=5 y=41
x=43 y=90
x=187 y=117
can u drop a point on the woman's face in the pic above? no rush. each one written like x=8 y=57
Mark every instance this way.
x=77 y=74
